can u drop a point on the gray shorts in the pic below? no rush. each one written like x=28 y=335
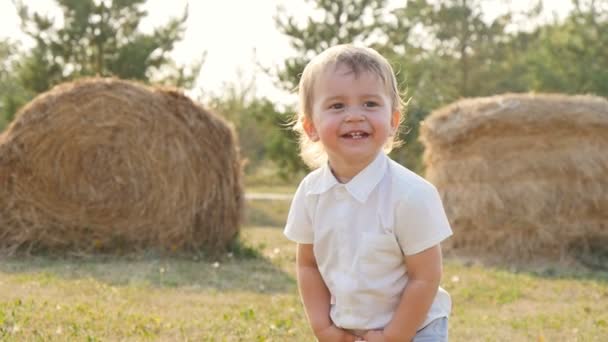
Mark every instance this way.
x=436 y=331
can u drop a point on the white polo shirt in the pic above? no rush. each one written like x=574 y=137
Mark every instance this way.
x=361 y=231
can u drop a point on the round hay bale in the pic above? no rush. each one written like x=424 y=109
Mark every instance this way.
x=115 y=166
x=522 y=175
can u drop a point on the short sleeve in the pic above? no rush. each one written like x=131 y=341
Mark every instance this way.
x=420 y=220
x=299 y=225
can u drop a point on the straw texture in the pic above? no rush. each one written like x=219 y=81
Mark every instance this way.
x=110 y=165
x=522 y=175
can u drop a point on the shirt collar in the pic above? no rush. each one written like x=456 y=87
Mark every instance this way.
x=324 y=182
x=360 y=186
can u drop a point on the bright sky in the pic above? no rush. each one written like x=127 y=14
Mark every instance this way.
x=233 y=32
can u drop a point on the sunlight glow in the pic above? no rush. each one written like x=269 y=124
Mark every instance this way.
x=234 y=33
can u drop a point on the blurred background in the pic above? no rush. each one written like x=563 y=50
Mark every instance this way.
x=540 y=199
x=242 y=59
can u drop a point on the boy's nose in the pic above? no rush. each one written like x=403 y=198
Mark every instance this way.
x=354 y=115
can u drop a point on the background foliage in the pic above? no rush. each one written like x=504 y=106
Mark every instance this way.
x=442 y=50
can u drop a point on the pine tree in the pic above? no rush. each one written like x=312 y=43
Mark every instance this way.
x=100 y=38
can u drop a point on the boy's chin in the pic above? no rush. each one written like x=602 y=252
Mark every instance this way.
x=358 y=157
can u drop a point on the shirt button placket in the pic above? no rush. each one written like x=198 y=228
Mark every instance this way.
x=340 y=193
x=342 y=219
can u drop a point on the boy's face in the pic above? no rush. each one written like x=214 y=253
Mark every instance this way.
x=351 y=117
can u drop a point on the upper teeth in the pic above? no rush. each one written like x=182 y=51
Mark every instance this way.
x=356 y=134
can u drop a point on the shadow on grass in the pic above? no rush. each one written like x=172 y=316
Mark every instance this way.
x=243 y=269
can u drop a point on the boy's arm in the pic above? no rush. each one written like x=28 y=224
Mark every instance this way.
x=316 y=297
x=424 y=273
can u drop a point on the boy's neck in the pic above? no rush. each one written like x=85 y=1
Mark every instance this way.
x=341 y=179
x=344 y=172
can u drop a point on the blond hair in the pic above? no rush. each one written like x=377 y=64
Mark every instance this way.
x=358 y=59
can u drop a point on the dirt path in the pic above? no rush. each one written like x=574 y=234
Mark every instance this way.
x=268 y=196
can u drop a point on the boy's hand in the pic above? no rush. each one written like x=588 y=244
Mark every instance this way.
x=374 y=336
x=379 y=336
x=335 y=334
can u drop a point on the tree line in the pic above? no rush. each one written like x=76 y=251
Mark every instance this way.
x=442 y=50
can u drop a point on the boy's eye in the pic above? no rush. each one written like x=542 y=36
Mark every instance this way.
x=336 y=106
x=370 y=104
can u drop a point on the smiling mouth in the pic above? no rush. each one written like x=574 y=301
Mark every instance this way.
x=355 y=135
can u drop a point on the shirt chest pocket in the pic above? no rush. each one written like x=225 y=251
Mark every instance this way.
x=379 y=254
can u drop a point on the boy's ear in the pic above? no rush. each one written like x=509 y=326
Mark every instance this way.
x=310 y=129
x=395 y=120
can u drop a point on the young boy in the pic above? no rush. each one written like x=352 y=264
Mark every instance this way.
x=368 y=229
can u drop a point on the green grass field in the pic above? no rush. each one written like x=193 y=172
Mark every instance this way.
x=253 y=297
